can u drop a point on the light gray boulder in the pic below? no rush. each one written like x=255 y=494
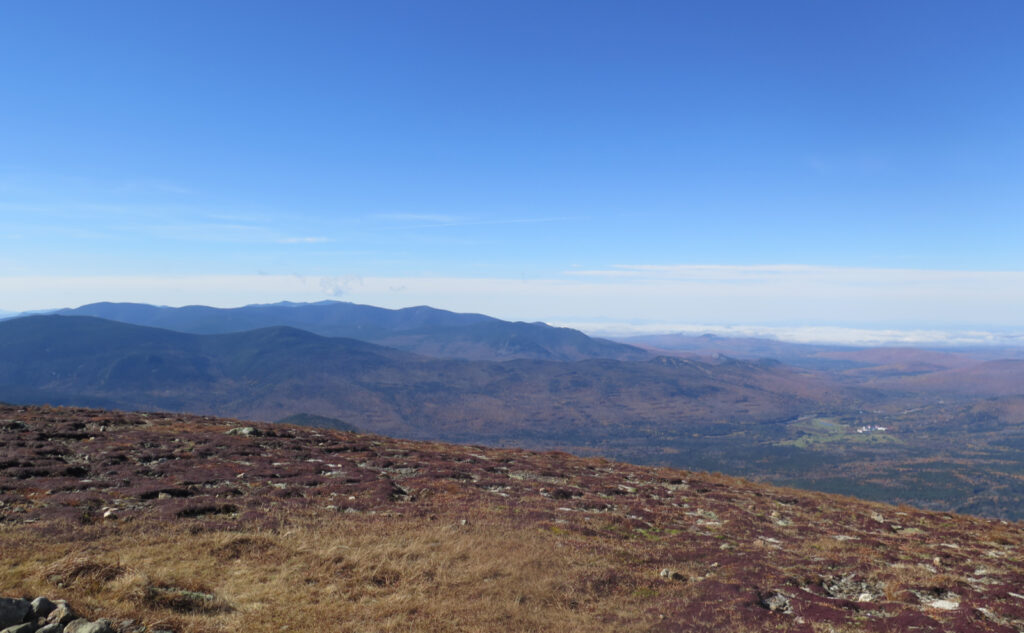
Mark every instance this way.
x=42 y=607
x=778 y=602
x=247 y=431
x=82 y=625
x=61 y=614
x=27 y=627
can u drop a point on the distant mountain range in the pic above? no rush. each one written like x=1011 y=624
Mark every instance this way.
x=273 y=372
x=421 y=330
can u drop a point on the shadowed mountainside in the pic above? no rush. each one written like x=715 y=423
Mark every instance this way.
x=274 y=372
x=421 y=329
x=198 y=525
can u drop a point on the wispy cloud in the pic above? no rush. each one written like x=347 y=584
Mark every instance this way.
x=420 y=220
x=795 y=273
x=304 y=240
x=418 y=217
x=152 y=186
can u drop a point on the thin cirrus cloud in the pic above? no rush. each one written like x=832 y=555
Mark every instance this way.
x=848 y=279
x=420 y=220
x=223 y=231
x=418 y=217
x=304 y=240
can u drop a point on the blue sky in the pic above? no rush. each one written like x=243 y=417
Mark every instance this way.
x=436 y=152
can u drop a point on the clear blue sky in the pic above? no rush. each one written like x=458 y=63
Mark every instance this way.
x=508 y=140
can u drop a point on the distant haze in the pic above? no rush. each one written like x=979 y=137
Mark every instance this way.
x=797 y=303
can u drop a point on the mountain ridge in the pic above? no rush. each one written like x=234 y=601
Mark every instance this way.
x=419 y=329
x=255 y=373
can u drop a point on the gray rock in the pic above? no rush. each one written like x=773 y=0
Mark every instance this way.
x=13 y=611
x=27 y=627
x=62 y=614
x=777 y=602
x=847 y=587
x=248 y=431
x=82 y=625
x=42 y=606
x=128 y=626
x=51 y=628
x=671 y=574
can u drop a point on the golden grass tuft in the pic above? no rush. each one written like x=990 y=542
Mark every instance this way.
x=75 y=571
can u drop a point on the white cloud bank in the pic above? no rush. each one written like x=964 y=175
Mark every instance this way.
x=789 y=302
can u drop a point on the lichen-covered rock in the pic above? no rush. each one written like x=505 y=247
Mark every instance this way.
x=13 y=611
x=42 y=607
x=51 y=628
x=26 y=627
x=128 y=626
x=847 y=587
x=62 y=614
x=82 y=625
x=248 y=431
x=775 y=601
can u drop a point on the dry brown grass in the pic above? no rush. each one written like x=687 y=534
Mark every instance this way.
x=330 y=574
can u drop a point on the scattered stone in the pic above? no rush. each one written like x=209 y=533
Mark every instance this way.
x=945 y=605
x=671 y=574
x=128 y=626
x=847 y=587
x=13 y=611
x=62 y=614
x=82 y=625
x=877 y=518
x=51 y=628
x=27 y=627
x=247 y=431
x=777 y=602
